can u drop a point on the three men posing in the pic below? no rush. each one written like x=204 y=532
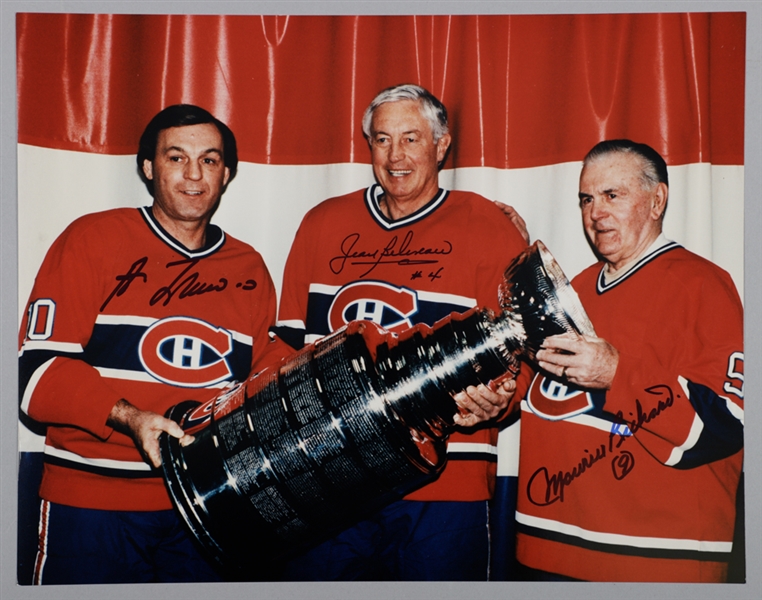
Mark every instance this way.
x=662 y=386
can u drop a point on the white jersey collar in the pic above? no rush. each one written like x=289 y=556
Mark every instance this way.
x=373 y=196
x=661 y=244
x=215 y=237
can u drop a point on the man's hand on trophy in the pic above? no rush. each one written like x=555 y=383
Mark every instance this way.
x=145 y=427
x=585 y=361
x=482 y=403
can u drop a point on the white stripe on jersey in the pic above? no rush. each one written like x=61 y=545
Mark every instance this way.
x=734 y=409
x=320 y=288
x=97 y=462
x=125 y=320
x=693 y=436
x=588 y=421
x=291 y=323
x=457 y=447
x=508 y=450
x=148 y=321
x=623 y=540
x=144 y=377
x=67 y=347
x=463 y=301
x=242 y=337
x=33 y=381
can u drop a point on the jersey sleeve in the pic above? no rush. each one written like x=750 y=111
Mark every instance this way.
x=297 y=274
x=496 y=243
x=55 y=385
x=269 y=348
x=691 y=411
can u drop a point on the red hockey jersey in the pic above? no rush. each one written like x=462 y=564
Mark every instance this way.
x=120 y=309
x=349 y=262
x=638 y=483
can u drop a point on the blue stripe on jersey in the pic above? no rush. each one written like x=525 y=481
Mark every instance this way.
x=116 y=347
x=428 y=312
x=502 y=527
x=483 y=456
x=292 y=336
x=31 y=360
x=622 y=549
x=722 y=435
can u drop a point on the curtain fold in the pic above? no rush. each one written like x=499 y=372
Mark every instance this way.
x=522 y=90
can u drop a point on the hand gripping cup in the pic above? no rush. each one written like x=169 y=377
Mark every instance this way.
x=350 y=423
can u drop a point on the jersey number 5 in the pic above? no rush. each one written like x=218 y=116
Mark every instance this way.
x=735 y=371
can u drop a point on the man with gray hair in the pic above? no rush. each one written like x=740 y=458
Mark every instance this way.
x=632 y=442
x=399 y=253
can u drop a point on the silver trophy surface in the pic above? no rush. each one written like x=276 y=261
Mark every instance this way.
x=352 y=422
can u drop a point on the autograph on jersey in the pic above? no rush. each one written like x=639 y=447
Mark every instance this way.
x=402 y=253
x=185 y=283
x=545 y=488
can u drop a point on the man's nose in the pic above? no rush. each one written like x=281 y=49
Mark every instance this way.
x=598 y=209
x=193 y=170
x=396 y=151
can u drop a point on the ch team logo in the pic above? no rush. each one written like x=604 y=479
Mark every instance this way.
x=554 y=400
x=202 y=414
x=387 y=305
x=186 y=352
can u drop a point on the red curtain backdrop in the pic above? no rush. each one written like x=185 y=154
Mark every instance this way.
x=528 y=96
x=522 y=91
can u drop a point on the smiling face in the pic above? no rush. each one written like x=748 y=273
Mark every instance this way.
x=404 y=155
x=188 y=174
x=621 y=216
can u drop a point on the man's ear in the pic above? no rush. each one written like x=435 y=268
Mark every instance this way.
x=442 y=145
x=659 y=202
x=148 y=169
x=225 y=179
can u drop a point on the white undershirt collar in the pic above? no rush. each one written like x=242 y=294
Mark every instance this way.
x=609 y=275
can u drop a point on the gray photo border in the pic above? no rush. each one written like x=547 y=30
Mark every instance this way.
x=588 y=591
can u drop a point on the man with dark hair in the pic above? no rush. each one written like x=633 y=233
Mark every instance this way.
x=181 y=115
x=632 y=442
x=132 y=312
x=400 y=253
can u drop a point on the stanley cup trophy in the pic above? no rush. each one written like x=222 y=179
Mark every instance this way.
x=352 y=422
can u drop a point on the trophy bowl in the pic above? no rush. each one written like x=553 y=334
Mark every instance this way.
x=350 y=423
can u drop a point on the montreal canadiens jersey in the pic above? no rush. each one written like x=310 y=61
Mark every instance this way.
x=638 y=483
x=120 y=309
x=349 y=262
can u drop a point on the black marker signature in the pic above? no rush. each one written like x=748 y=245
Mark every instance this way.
x=436 y=275
x=622 y=464
x=136 y=270
x=179 y=287
x=641 y=417
x=389 y=254
x=189 y=286
x=544 y=489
